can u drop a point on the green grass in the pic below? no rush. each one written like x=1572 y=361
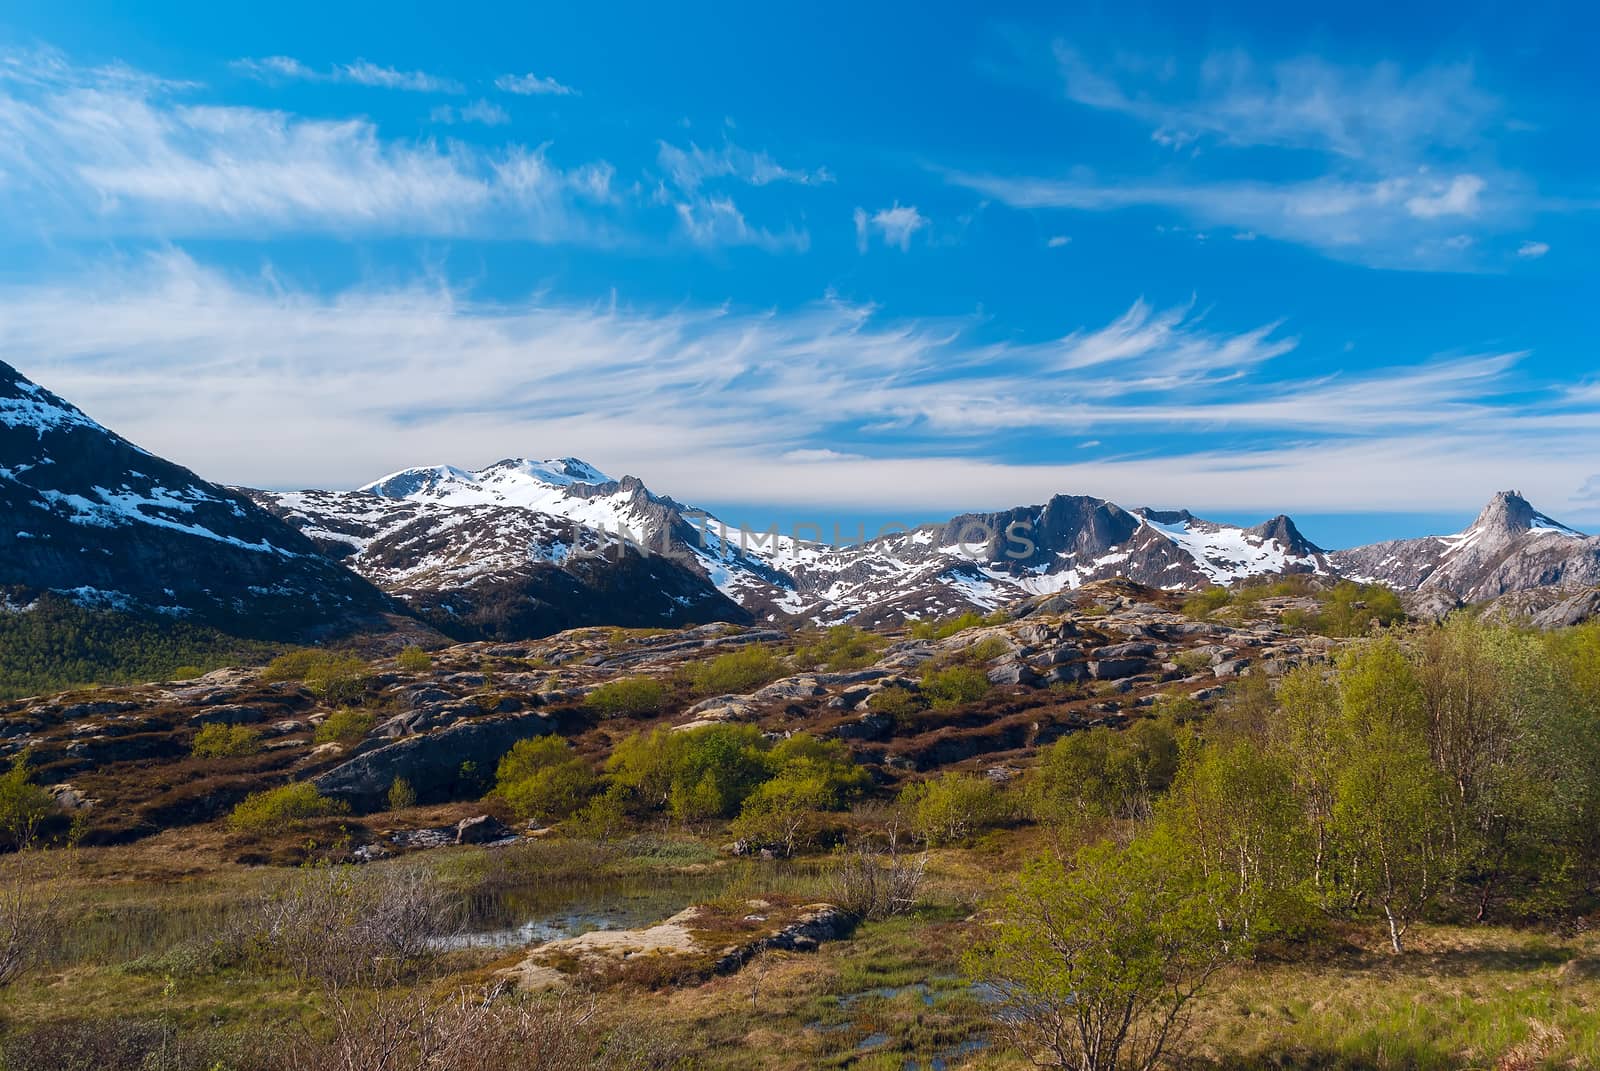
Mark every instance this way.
x=1478 y=997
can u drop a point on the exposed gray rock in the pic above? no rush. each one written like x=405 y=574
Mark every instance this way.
x=1571 y=611
x=231 y=714
x=482 y=829
x=433 y=762
x=1131 y=650
x=1115 y=669
x=1070 y=673
x=1013 y=673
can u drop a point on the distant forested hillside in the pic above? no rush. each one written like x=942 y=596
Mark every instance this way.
x=57 y=644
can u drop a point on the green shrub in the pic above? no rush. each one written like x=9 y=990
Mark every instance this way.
x=338 y=680
x=710 y=772
x=401 y=795
x=840 y=648
x=952 y=807
x=1352 y=609
x=947 y=627
x=543 y=779
x=1104 y=772
x=784 y=813
x=334 y=677
x=954 y=685
x=414 y=660
x=226 y=742
x=738 y=671
x=187 y=673
x=897 y=702
x=346 y=726
x=278 y=809
x=1349 y=609
x=696 y=774
x=1204 y=603
x=987 y=649
x=602 y=818
x=24 y=806
x=629 y=697
x=293 y=665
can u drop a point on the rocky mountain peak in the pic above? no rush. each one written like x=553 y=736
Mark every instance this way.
x=1508 y=514
x=1507 y=511
x=1282 y=529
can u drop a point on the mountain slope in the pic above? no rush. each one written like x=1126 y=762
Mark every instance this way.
x=979 y=561
x=89 y=514
x=517 y=549
x=447 y=539
x=1510 y=547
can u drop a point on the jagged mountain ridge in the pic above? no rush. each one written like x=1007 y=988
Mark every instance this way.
x=87 y=513
x=517 y=549
x=524 y=548
x=1510 y=547
x=425 y=531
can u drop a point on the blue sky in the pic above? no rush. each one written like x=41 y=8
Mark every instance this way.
x=863 y=261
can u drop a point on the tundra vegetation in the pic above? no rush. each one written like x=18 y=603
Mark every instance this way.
x=1386 y=859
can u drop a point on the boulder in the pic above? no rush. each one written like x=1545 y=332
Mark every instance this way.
x=1013 y=673
x=433 y=762
x=1124 y=651
x=1230 y=667
x=802 y=687
x=872 y=725
x=1070 y=673
x=1115 y=669
x=481 y=829
x=230 y=714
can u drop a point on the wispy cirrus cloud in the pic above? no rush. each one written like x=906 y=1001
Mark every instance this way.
x=1306 y=102
x=1403 y=171
x=894 y=225
x=828 y=404
x=691 y=168
x=88 y=153
x=711 y=218
x=716 y=221
x=479 y=111
x=533 y=85
x=1399 y=221
x=361 y=72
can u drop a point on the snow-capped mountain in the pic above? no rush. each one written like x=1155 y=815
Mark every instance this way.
x=1510 y=547
x=981 y=561
x=85 y=512
x=522 y=548
x=445 y=539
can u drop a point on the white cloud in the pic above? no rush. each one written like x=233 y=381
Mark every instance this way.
x=1057 y=241
x=691 y=168
x=1457 y=198
x=712 y=219
x=480 y=111
x=1304 y=102
x=716 y=221
x=361 y=72
x=829 y=404
x=1389 y=157
x=1532 y=250
x=894 y=225
x=89 y=156
x=530 y=85
x=1381 y=222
